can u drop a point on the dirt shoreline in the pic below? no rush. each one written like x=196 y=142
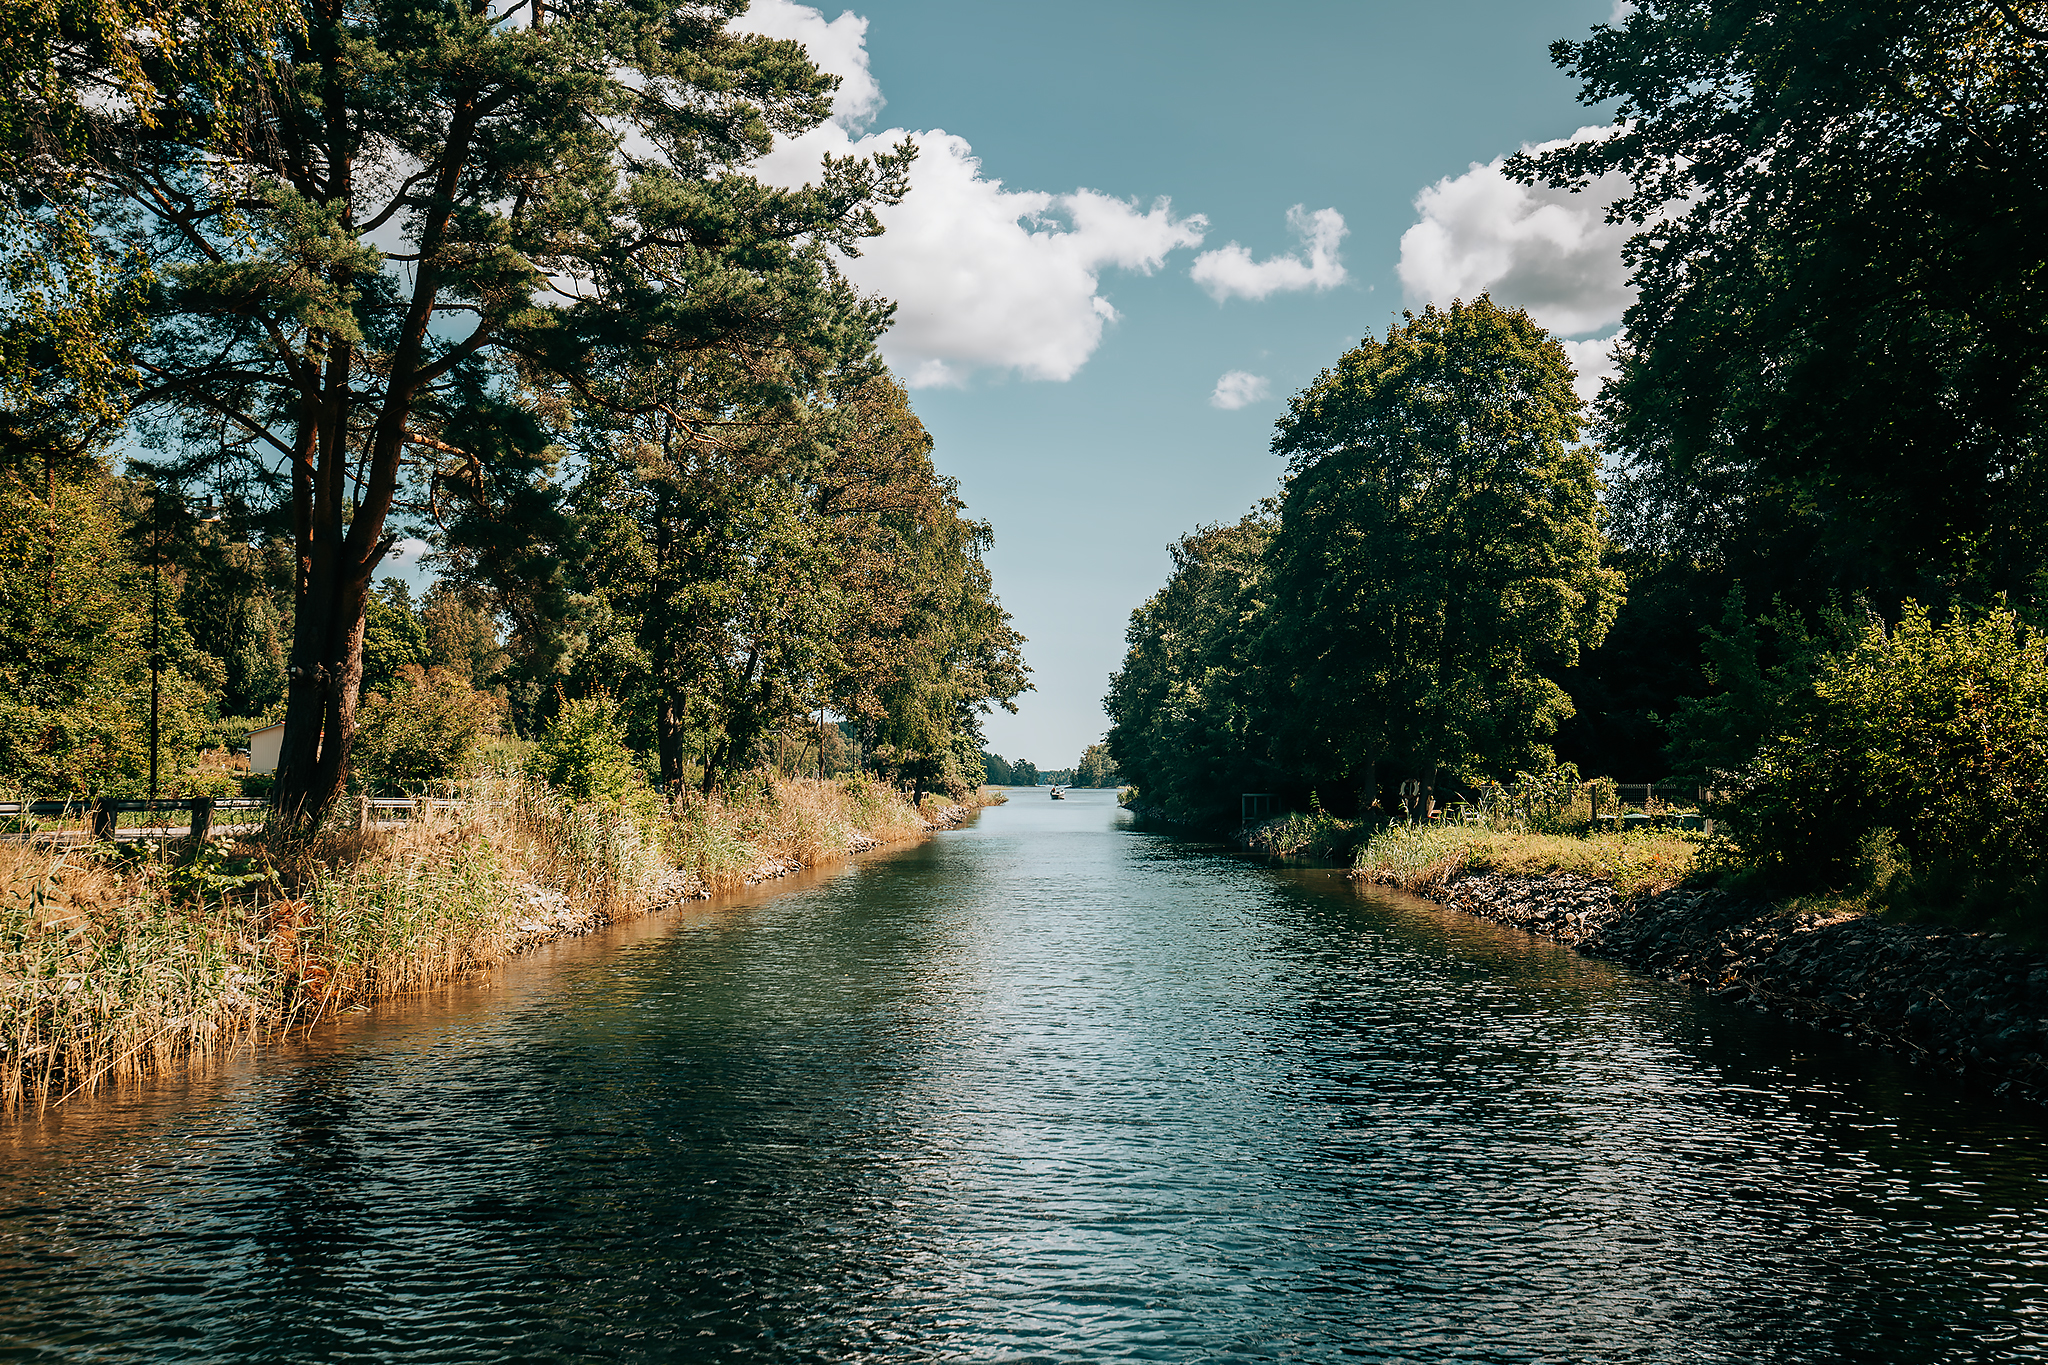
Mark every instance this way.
x=1969 y=1004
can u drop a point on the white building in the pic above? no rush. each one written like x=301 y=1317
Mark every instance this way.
x=264 y=746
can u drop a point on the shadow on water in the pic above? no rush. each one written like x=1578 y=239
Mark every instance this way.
x=1046 y=1088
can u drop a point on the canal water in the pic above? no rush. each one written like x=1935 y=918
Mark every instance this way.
x=1043 y=1089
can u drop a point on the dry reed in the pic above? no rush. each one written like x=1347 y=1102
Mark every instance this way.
x=114 y=966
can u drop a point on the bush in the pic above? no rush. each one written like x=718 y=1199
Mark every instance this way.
x=1318 y=834
x=427 y=728
x=1915 y=766
x=583 y=755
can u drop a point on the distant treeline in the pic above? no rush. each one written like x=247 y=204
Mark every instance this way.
x=1095 y=769
x=1808 y=518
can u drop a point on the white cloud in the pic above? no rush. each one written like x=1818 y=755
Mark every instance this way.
x=838 y=46
x=1230 y=270
x=1545 y=250
x=1594 y=360
x=984 y=278
x=1238 y=389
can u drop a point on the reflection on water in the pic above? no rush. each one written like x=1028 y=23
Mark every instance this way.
x=1043 y=1089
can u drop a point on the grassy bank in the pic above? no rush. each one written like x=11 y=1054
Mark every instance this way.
x=1422 y=859
x=119 y=962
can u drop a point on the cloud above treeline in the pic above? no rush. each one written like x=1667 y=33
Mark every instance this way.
x=1230 y=272
x=984 y=277
x=1546 y=250
x=1239 y=388
x=989 y=278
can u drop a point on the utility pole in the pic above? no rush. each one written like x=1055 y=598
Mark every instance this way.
x=156 y=641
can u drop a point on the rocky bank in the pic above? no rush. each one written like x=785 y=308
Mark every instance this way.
x=1972 y=1004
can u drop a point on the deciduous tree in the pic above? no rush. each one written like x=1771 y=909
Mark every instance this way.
x=1438 y=552
x=1833 y=382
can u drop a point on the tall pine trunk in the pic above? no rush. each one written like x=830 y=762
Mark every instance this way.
x=341 y=538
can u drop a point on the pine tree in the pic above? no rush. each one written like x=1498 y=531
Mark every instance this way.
x=568 y=198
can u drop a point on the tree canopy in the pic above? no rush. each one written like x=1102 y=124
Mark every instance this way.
x=1438 y=554
x=390 y=248
x=496 y=276
x=1432 y=562
x=1833 y=377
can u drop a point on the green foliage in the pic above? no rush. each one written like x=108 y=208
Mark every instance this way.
x=428 y=726
x=814 y=560
x=74 y=644
x=1830 y=387
x=583 y=755
x=76 y=302
x=1916 y=759
x=1317 y=835
x=1434 y=560
x=1758 y=668
x=228 y=594
x=394 y=636
x=1097 y=768
x=460 y=635
x=1003 y=773
x=1549 y=798
x=1831 y=383
x=207 y=875
x=1438 y=554
x=279 y=325
x=1187 y=711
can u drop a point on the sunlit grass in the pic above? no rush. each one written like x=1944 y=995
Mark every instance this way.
x=103 y=979
x=118 y=963
x=1423 y=859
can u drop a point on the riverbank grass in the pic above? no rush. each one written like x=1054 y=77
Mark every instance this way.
x=119 y=962
x=1422 y=859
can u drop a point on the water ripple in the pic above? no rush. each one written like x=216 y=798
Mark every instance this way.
x=1042 y=1090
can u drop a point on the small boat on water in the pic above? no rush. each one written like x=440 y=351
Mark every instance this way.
x=1058 y=795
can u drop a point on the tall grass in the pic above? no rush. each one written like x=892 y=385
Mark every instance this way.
x=409 y=910
x=1422 y=859
x=609 y=859
x=118 y=963
x=1317 y=834
x=104 y=979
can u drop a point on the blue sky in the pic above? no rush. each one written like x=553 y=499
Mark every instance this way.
x=1067 y=331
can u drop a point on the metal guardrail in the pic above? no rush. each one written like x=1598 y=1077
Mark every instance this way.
x=103 y=814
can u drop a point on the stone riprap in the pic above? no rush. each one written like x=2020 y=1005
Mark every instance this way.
x=1968 y=1003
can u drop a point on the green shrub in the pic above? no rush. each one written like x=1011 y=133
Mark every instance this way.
x=1914 y=766
x=426 y=728
x=1317 y=834
x=583 y=755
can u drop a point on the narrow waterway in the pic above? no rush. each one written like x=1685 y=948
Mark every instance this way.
x=1046 y=1088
